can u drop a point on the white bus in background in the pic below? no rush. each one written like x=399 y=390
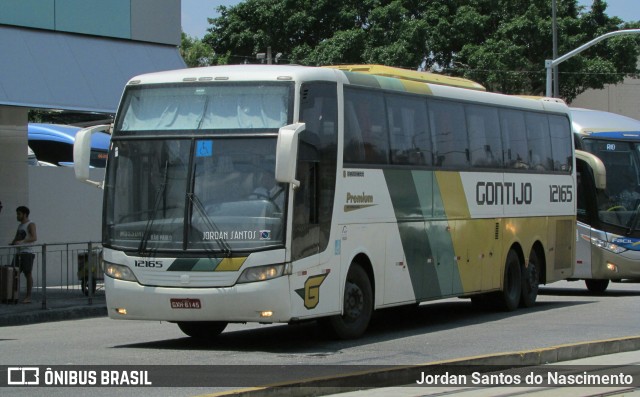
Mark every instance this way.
x=608 y=247
x=280 y=194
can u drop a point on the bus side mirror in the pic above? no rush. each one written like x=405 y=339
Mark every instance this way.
x=82 y=153
x=596 y=165
x=287 y=153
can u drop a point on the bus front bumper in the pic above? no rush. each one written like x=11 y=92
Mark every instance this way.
x=616 y=266
x=264 y=302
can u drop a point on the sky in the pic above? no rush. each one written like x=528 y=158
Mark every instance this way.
x=196 y=12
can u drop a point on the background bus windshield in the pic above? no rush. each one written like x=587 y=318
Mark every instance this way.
x=619 y=206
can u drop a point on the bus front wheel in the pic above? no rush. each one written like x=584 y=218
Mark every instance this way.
x=202 y=329
x=596 y=286
x=357 y=307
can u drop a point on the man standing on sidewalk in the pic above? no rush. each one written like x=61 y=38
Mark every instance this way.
x=25 y=234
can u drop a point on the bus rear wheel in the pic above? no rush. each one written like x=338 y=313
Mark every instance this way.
x=596 y=286
x=357 y=307
x=530 y=281
x=509 y=297
x=202 y=329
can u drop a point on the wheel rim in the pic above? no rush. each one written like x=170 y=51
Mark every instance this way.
x=353 y=301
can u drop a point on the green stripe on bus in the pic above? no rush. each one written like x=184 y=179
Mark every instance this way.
x=413 y=232
x=207 y=265
x=425 y=233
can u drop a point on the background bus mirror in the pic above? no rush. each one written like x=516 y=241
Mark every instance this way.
x=82 y=153
x=597 y=166
x=287 y=153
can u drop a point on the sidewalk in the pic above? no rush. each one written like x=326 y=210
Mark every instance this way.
x=601 y=356
x=622 y=362
x=62 y=303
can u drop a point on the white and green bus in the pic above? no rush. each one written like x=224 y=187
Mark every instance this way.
x=608 y=204
x=281 y=194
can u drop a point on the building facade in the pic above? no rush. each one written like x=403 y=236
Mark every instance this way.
x=70 y=55
x=621 y=98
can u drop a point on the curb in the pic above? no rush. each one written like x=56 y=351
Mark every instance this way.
x=58 y=314
x=405 y=375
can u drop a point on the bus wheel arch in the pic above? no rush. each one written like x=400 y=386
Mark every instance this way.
x=358 y=302
x=533 y=272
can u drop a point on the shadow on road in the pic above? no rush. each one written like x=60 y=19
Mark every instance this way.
x=305 y=339
x=581 y=291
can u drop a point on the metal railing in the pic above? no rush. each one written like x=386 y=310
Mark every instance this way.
x=71 y=270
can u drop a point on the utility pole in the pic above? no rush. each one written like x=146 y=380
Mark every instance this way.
x=551 y=63
x=556 y=79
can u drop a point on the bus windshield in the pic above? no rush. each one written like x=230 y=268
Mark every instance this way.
x=621 y=201
x=207 y=194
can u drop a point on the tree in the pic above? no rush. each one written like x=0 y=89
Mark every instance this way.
x=196 y=53
x=511 y=60
x=501 y=44
x=319 y=32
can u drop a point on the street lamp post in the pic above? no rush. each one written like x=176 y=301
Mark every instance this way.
x=551 y=63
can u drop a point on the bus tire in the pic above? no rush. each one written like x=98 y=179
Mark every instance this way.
x=530 y=281
x=202 y=329
x=596 y=286
x=357 y=307
x=509 y=297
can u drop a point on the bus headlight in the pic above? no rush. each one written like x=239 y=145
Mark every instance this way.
x=261 y=273
x=616 y=249
x=119 y=272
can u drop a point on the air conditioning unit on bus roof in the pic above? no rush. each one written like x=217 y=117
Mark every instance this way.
x=411 y=75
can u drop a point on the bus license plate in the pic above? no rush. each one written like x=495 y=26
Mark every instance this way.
x=185 y=303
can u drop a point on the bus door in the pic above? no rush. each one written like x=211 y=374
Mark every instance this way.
x=315 y=278
x=587 y=215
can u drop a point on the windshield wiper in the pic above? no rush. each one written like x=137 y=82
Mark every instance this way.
x=633 y=223
x=147 y=229
x=197 y=204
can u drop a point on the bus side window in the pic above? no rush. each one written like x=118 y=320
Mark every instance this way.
x=514 y=135
x=370 y=119
x=450 y=131
x=560 y=143
x=353 y=145
x=538 y=139
x=410 y=138
x=485 y=146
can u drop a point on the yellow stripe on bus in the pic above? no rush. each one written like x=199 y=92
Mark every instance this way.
x=230 y=264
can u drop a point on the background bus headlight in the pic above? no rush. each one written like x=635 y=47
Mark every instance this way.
x=261 y=273
x=119 y=272
x=616 y=249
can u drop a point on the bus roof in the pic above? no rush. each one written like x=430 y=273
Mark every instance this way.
x=603 y=124
x=411 y=75
x=402 y=81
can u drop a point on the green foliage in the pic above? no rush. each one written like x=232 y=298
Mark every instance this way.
x=196 y=53
x=502 y=44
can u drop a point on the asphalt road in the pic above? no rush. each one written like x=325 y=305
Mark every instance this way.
x=452 y=328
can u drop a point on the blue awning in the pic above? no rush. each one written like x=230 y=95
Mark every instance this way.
x=54 y=70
